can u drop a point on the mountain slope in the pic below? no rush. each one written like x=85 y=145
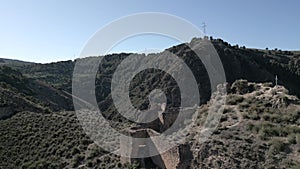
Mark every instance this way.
x=239 y=63
x=19 y=93
x=18 y=64
x=260 y=128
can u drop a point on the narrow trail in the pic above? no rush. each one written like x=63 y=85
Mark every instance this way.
x=87 y=104
x=239 y=115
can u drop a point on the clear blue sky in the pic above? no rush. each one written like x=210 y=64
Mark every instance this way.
x=53 y=30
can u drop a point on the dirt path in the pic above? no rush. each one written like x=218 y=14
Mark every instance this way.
x=239 y=115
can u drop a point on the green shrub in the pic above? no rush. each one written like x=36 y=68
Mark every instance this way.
x=223 y=118
x=271 y=130
x=298 y=139
x=234 y=99
x=250 y=126
x=90 y=164
x=292 y=139
x=77 y=160
x=277 y=146
x=291 y=164
x=253 y=116
x=75 y=150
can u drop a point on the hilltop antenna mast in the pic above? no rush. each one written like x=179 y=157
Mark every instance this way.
x=204 y=27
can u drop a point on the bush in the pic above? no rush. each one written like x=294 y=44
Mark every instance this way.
x=298 y=139
x=77 y=160
x=223 y=118
x=250 y=127
x=75 y=150
x=90 y=164
x=292 y=139
x=227 y=110
x=241 y=87
x=271 y=130
x=277 y=146
x=234 y=99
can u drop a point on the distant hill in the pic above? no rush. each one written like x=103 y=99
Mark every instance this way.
x=239 y=63
x=20 y=93
x=14 y=63
x=58 y=75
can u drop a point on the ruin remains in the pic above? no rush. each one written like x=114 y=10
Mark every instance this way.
x=175 y=158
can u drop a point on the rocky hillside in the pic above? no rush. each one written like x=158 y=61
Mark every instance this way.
x=239 y=63
x=17 y=64
x=20 y=93
x=259 y=128
x=55 y=140
x=253 y=64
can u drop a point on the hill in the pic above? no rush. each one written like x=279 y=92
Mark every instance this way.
x=14 y=63
x=239 y=63
x=19 y=93
x=259 y=127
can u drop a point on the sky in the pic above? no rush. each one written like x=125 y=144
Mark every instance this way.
x=55 y=30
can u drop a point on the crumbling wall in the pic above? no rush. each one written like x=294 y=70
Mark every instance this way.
x=176 y=158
